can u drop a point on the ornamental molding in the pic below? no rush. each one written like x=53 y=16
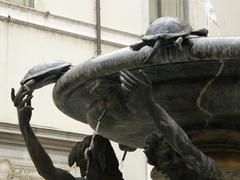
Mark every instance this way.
x=14 y=170
x=50 y=138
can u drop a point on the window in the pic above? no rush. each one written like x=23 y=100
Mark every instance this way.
x=29 y=3
x=158 y=8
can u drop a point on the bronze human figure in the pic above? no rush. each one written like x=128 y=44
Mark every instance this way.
x=102 y=164
x=138 y=86
x=39 y=156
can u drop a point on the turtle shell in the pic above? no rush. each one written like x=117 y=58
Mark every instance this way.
x=167 y=27
x=45 y=69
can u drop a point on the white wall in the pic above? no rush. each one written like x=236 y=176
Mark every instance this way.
x=82 y=10
x=227 y=14
x=172 y=8
x=128 y=16
x=25 y=47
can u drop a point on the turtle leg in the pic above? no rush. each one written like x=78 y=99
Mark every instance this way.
x=156 y=47
x=178 y=43
x=200 y=32
x=137 y=47
x=29 y=85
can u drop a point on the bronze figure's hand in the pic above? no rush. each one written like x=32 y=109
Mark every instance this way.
x=137 y=85
x=22 y=101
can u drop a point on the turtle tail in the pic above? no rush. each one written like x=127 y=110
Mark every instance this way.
x=137 y=47
x=200 y=32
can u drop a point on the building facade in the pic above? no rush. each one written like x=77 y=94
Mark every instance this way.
x=35 y=31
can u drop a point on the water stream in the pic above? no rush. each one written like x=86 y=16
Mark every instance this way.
x=212 y=20
x=211 y=15
x=91 y=146
x=122 y=160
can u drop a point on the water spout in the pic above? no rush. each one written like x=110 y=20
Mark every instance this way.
x=211 y=15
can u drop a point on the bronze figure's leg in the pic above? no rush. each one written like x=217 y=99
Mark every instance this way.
x=178 y=43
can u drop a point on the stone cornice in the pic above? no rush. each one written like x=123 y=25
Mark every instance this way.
x=46 y=21
x=50 y=138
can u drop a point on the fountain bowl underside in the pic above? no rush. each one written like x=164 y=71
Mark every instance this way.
x=200 y=95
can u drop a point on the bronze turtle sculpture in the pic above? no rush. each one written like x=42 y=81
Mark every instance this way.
x=165 y=32
x=44 y=74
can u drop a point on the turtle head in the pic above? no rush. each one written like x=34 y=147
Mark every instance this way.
x=44 y=74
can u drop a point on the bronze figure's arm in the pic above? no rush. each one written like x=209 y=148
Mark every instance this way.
x=40 y=158
x=138 y=86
